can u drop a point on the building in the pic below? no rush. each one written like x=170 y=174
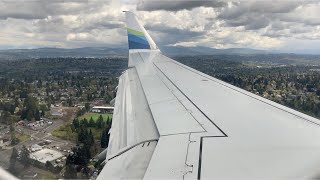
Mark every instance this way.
x=102 y=109
x=35 y=147
x=45 y=155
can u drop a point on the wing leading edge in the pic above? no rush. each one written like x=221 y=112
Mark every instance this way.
x=190 y=125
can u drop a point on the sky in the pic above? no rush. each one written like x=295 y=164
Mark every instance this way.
x=287 y=25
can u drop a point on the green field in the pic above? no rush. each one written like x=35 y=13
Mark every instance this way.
x=95 y=116
x=22 y=137
x=65 y=132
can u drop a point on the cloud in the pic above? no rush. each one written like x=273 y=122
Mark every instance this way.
x=60 y=23
x=175 y=5
x=256 y=14
x=78 y=23
x=172 y=35
x=308 y=14
x=78 y=36
x=40 y=9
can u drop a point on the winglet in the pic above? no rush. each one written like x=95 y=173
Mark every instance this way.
x=138 y=37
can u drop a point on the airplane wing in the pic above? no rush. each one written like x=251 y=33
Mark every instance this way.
x=174 y=122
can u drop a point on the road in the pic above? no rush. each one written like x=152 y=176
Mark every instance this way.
x=36 y=137
x=46 y=131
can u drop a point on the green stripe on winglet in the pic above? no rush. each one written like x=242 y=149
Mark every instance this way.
x=134 y=32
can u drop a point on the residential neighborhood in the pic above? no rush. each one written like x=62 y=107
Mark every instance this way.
x=37 y=114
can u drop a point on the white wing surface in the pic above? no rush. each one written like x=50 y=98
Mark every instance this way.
x=174 y=122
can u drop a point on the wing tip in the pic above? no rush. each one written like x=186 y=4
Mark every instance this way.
x=138 y=37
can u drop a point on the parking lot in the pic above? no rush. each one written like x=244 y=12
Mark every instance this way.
x=38 y=132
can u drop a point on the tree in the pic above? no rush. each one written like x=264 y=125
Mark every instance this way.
x=104 y=139
x=13 y=159
x=85 y=122
x=25 y=160
x=85 y=172
x=87 y=106
x=91 y=122
x=37 y=115
x=16 y=102
x=99 y=121
x=70 y=172
x=81 y=135
x=103 y=124
x=5 y=117
x=43 y=113
x=69 y=101
x=75 y=123
x=109 y=121
x=91 y=138
x=12 y=108
x=80 y=156
x=31 y=109
x=81 y=112
x=11 y=127
x=48 y=165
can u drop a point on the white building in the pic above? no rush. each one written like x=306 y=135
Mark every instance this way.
x=102 y=109
x=45 y=155
x=35 y=147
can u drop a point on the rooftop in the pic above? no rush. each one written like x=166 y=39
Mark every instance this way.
x=102 y=107
x=45 y=155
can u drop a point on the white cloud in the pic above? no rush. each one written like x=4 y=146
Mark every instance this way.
x=79 y=23
x=78 y=36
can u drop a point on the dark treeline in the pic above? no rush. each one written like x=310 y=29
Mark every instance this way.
x=288 y=59
x=31 y=69
x=79 y=159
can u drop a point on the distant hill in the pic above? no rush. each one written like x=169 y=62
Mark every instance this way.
x=60 y=52
x=104 y=52
x=201 y=50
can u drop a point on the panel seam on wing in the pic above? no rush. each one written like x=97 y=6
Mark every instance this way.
x=246 y=93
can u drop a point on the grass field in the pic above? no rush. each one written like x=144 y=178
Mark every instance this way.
x=65 y=132
x=22 y=137
x=95 y=116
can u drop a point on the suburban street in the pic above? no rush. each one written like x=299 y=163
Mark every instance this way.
x=36 y=136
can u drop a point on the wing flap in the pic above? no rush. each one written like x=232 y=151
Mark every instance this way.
x=131 y=164
x=132 y=119
x=169 y=158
